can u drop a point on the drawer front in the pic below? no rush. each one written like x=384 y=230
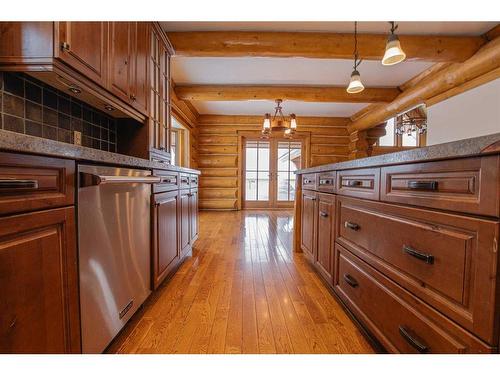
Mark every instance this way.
x=184 y=181
x=359 y=183
x=326 y=182
x=170 y=181
x=29 y=183
x=464 y=185
x=309 y=181
x=444 y=259
x=193 y=181
x=400 y=322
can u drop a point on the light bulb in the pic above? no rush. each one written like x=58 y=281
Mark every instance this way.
x=355 y=84
x=393 y=52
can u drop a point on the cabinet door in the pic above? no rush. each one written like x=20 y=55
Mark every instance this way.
x=325 y=244
x=120 y=34
x=155 y=89
x=193 y=215
x=166 y=245
x=83 y=46
x=184 y=221
x=308 y=235
x=39 y=283
x=140 y=59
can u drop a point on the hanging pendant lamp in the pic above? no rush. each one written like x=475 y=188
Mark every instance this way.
x=394 y=54
x=355 y=84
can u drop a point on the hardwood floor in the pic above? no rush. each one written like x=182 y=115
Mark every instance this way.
x=242 y=291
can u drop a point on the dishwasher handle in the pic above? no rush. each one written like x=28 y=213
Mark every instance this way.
x=90 y=179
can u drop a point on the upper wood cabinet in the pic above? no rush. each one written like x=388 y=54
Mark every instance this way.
x=140 y=79
x=83 y=46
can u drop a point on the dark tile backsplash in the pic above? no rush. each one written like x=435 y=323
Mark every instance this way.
x=31 y=107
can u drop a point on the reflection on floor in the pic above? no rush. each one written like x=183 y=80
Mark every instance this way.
x=242 y=291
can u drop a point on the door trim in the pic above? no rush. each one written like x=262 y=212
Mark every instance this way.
x=305 y=137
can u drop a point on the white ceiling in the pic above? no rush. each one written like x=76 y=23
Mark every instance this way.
x=427 y=28
x=288 y=71
x=260 y=107
x=300 y=71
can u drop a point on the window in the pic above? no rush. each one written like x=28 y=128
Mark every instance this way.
x=389 y=138
x=179 y=144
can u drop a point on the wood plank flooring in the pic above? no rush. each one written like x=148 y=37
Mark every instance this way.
x=242 y=291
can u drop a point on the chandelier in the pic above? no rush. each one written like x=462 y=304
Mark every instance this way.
x=412 y=122
x=279 y=122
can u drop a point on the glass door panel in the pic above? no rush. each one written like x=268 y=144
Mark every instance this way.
x=288 y=160
x=257 y=172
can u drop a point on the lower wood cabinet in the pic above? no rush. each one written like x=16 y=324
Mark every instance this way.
x=39 y=283
x=325 y=235
x=308 y=223
x=184 y=221
x=165 y=235
x=193 y=215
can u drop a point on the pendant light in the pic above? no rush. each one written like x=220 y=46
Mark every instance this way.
x=355 y=84
x=279 y=122
x=393 y=52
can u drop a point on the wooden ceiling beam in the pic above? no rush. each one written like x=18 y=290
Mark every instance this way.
x=320 y=45
x=300 y=93
x=486 y=60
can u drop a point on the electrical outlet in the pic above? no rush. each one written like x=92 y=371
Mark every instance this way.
x=77 y=137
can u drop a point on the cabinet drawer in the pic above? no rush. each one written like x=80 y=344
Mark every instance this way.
x=184 y=181
x=193 y=181
x=170 y=181
x=466 y=185
x=400 y=322
x=326 y=182
x=447 y=260
x=309 y=181
x=359 y=183
x=29 y=183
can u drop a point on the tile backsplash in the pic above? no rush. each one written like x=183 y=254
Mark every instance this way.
x=31 y=107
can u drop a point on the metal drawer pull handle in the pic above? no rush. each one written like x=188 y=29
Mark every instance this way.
x=89 y=179
x=13 y=184
x=427 y=258
x=350 y=280
x=326 y=182
x=323 y=214
x=422 y=348
x=168 y=180
x=307 y=181
x=352 y=183
x=352 y=226
x=184 y=181
x=423 y=185
x=309 y=197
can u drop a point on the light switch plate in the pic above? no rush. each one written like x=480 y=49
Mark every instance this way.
x=77 y=138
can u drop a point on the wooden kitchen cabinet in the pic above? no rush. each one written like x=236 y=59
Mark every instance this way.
x=308 y=223
x=165 y=240
x=120 y=53
x=184 y=221
x=83 y=46
x=325 y=235
x=193 y=215
x=39 y=283
x=140 y=60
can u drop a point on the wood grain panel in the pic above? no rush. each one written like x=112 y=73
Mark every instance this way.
x=219 y=193
x=218 y=204
x=218 y=182
x=218 y=172
x=218 y=161
x=218 y=139
x=329 y=149
x=326 y=159
x=217 y=149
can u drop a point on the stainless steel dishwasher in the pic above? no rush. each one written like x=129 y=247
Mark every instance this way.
x=114 y=249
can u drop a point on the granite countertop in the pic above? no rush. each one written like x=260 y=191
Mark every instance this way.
x=11 y=141
x=457 y=149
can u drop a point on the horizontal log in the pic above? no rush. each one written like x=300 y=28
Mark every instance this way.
x=218 y=193
x=325 y=159
x=485 y=60
x=218 y=139
x=218 y=182
x=326 y=149
x=315 y=139
x=217 y=204
x=218 y=172
x=333 y=94
x=217 y=149
x=217 y=161
x=320 y=45
x=232 y=120
x=319 y=130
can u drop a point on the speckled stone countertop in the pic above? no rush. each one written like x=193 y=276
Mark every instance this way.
x=11 y=141
x=457 y=149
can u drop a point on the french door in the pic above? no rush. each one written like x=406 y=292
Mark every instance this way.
x=268 y=166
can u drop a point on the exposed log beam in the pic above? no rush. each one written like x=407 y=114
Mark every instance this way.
x=301 y=93
x=426 y=73
x=320 y=45
x=252 y=120
x=485 y=60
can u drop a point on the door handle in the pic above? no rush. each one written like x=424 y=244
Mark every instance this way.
x=352 y=226
x=352 y=183
x=16 y=184
x=323 y=214
x=351 y=280
x=89 y=179
x=65 y=46
x=423 y=185
x=413 y=341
